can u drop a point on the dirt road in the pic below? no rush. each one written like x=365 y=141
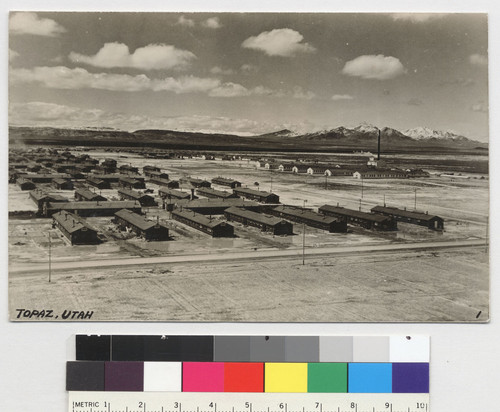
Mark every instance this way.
x=251 y=255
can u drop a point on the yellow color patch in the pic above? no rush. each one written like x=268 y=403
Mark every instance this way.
x=285 y=377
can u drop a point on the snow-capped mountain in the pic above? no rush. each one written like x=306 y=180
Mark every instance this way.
x=365 y=128
x=282 y=133
x=425 y=133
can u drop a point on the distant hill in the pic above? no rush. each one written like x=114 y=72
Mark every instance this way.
x=360 y=138
x=425 y=133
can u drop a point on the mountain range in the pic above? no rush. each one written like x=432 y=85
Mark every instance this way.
x=359 y=138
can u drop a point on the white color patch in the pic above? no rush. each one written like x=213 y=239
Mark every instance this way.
x=415 y=349
x=162 y=376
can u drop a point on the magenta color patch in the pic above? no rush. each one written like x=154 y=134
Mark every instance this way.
x=203 y=377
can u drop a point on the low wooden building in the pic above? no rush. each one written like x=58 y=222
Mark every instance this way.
x=300 y=168
x=62 y=184
x=44 y=177
x=65 y=167
x=128 y=169
x=75 y=228
x=196 y=182
x=172 y=184
x=363 y=219
x=92 y=209
x=40 y=197
x=326 y=170
x=167 y=193
x=224 y=181
x=25 y=184
x=416 y=218
x=142 y=198
x=82 y=194
x=33 y=167
x=380 y=174
x=77 y=174
x=109 y=163
x=285 y=167
x=143 y=227
x=153 y=174
x=98 y=183
x=107 y=177
x=148 y=168
x=216 y=194
x=258 y=195
x=218 y=206
x=310 y=218
x=266 y=223
x=213 y=227
x=131 y=183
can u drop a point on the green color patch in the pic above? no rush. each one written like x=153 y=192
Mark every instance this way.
x=327 y=377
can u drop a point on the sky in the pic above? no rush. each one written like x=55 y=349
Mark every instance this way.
x=249 y=73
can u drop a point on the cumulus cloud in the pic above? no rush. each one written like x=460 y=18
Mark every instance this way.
x=376 y=67
x=221 y=71
x=50 y=114
x=300 y=93
x=152 y=56
x=342 y=97
x=417 y=17
x=61 y=77
x=279 y=42
x=31 y=23
x=27 y=113
x=13 y=55
x=229 y=90
x=184 y=21
x=212 y=23
x=185 y=84
x=478 y=60
x=265 y=91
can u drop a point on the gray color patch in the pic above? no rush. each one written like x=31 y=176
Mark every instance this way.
x=267 y=349
x=302 y=349
x=232 y=349
x=371 y=349
x=335 y=349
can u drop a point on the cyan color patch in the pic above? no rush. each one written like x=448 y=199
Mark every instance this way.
x=370 y=378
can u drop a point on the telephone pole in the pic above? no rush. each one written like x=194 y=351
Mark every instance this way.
x=304 y=239
x=50 y=256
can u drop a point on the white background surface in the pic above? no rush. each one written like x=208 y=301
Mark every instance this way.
x=465 y=358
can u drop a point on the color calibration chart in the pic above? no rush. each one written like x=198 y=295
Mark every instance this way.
x=163 y=373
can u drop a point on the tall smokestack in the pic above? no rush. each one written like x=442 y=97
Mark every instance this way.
x=378 y=147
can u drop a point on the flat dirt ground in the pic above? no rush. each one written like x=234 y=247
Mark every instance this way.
x=432 y=285
x=404 y=287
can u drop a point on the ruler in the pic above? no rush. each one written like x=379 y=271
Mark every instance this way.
x=246 y=402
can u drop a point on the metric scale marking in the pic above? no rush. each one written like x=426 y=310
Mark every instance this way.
x=246 y=402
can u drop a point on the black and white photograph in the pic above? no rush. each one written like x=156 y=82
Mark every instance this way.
x=248 y=167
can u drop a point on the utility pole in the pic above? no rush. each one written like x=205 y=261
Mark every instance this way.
x=487 y=232
x=50 y=256
x=361 y=186
x=326 y=181
x=304 y=239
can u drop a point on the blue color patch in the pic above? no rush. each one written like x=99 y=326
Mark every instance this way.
x=370 y=378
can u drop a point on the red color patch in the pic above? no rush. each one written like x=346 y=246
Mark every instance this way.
x=243 y=377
